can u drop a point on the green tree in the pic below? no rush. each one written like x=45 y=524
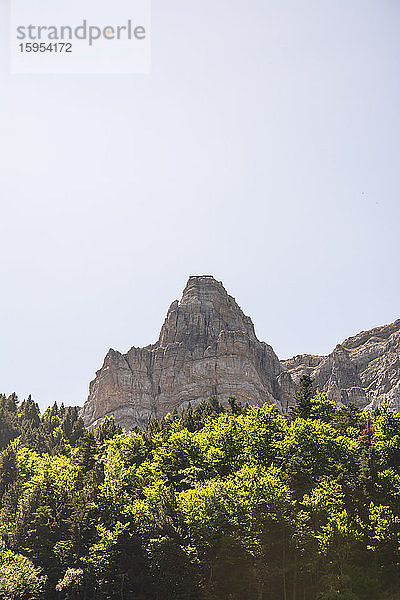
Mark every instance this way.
x=303 y=396
x=19 y=578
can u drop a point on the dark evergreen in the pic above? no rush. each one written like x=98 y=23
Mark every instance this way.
x=303 y=396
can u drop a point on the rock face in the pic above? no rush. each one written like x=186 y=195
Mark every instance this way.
x=207 y=346
x=364 y=369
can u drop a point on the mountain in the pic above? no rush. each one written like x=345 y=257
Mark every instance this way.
x=363 y=369
x=208 y=347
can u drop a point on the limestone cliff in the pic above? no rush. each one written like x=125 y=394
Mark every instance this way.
x=207 y=346
x=364 y=369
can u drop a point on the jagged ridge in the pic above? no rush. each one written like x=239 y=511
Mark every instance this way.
x=364 y=369
x=207 y=346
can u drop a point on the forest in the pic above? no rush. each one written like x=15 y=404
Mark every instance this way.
x=213 y=503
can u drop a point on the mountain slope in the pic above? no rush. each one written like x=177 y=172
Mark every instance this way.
x=363 y=369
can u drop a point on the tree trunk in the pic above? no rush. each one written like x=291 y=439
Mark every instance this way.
x=284 y=565
x=295 y=578
x=261 y=591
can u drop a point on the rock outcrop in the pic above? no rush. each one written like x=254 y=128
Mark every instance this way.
x=207 y=346
x=364 y=369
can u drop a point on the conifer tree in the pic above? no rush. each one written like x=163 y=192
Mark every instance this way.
x=303 y=397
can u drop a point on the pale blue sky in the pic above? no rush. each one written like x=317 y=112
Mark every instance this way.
x=262 y=149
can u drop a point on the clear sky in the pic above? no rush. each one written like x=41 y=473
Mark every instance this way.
x=263 y=148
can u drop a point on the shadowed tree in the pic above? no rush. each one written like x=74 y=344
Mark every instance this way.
x=303 y=397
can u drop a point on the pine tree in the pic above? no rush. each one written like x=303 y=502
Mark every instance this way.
x=303 y=397
x=107 y=429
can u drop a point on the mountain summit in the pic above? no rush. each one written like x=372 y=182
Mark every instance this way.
x=208 y=347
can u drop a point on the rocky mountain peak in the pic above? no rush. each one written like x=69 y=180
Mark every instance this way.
x=204 y=311
x=203 y=288
x=207 y=346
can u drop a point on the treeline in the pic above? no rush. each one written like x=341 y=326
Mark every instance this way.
x=51 y=432
x=214 y=503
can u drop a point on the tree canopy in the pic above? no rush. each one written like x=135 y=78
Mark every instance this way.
x=213 y=503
